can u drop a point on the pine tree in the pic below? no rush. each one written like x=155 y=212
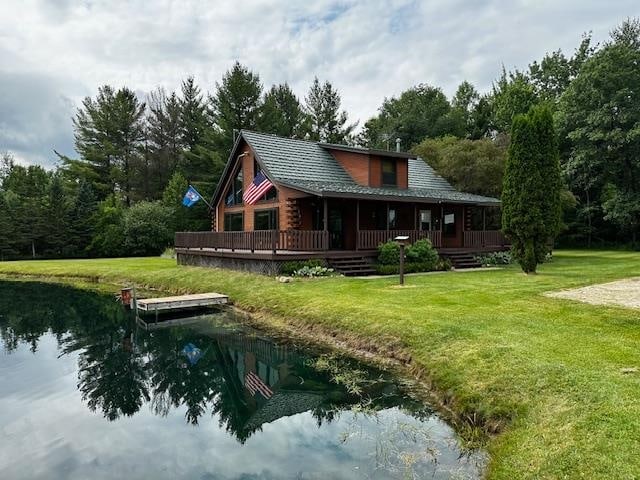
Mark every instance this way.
x=282 y=113
x=326 y=122
x=81 y=219
x=7 y=228
x=108 y=136
x=235 y=104
x=201 y=163
x=57 y=217
x=531 y=190
x=164 y=139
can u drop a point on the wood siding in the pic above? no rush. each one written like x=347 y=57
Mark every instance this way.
x=356 y=165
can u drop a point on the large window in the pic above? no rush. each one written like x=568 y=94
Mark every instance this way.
x=233 y=222
x=234 y=194
x=272 y=193
x=389 y=176
x=265 y=219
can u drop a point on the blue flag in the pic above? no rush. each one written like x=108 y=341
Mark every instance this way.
x=191 y=197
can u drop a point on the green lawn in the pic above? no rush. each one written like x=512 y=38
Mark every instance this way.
x=547 y=370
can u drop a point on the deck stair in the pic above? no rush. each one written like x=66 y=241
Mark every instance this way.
x=352 y=266
x=461 y=260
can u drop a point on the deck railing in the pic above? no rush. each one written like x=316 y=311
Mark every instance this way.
x=484 y=238
x=318 y=240
x=370 y=239
x=301 y=240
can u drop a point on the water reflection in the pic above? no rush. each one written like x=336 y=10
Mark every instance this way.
x=215 y=369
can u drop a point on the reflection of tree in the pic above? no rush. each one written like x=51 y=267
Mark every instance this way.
x=119 y=371
x=112 y=376
x=174 y=381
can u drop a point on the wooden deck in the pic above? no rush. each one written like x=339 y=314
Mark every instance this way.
x=167 y=304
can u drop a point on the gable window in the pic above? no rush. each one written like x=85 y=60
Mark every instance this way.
x=389 y=173
x=233 y=222
x=265 y=219
x=234 y=194
x=272 y=193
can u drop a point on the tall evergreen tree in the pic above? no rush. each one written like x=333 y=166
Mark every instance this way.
x=7 y=227
x=108 y=135
x=164 y=137
x=81 y=219
x=235 y=104
x=56 y=217
x=326 y=121
x=531 y=210
x=282 y=113
x=26 y=190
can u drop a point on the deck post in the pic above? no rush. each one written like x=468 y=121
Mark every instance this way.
x=274 y=236
x=357 y=224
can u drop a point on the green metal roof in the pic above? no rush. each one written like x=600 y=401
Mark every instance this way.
x=309 y=167
x=353 y=190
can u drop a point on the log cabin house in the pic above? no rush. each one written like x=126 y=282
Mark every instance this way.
x=336 y=203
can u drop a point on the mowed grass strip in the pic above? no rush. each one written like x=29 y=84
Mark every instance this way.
x=551 y=370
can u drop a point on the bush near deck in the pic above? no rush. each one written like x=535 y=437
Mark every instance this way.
x=419 y=257
x=559 y=374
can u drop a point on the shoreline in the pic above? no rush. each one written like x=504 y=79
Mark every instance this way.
x=474 y=434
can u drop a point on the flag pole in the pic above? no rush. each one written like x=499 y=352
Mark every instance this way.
x=200 y=195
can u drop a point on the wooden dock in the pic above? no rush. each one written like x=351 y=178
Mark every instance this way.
x=168 y=304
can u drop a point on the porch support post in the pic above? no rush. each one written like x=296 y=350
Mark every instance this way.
x=326 y=223
x=415 y=217
x=357 y=224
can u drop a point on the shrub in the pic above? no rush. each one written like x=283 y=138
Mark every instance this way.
x=316 y=271
x=422 y=252
x=495 y=258
x=389 y=253
x=290 y=268
x=147 y=229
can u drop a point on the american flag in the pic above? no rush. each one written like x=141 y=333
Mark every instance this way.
x=255 y=384
x=258 y=188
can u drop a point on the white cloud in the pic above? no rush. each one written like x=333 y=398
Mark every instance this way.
x=52 y=53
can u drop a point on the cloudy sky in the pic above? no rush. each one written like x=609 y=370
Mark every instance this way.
x=55 y=52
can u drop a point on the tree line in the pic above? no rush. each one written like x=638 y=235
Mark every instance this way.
x=135 y=159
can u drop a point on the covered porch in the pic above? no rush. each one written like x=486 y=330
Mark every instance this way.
x=354 y=225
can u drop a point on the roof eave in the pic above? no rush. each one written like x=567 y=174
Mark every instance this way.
x=367 y=151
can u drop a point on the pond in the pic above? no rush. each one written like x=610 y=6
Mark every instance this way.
x=85 y=392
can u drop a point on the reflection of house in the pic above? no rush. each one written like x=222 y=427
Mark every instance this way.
x=330 y=201
x=266 y=374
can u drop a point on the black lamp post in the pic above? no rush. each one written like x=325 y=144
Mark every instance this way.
x=403 y=240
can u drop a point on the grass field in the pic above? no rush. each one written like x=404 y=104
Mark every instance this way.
x=549 y=370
